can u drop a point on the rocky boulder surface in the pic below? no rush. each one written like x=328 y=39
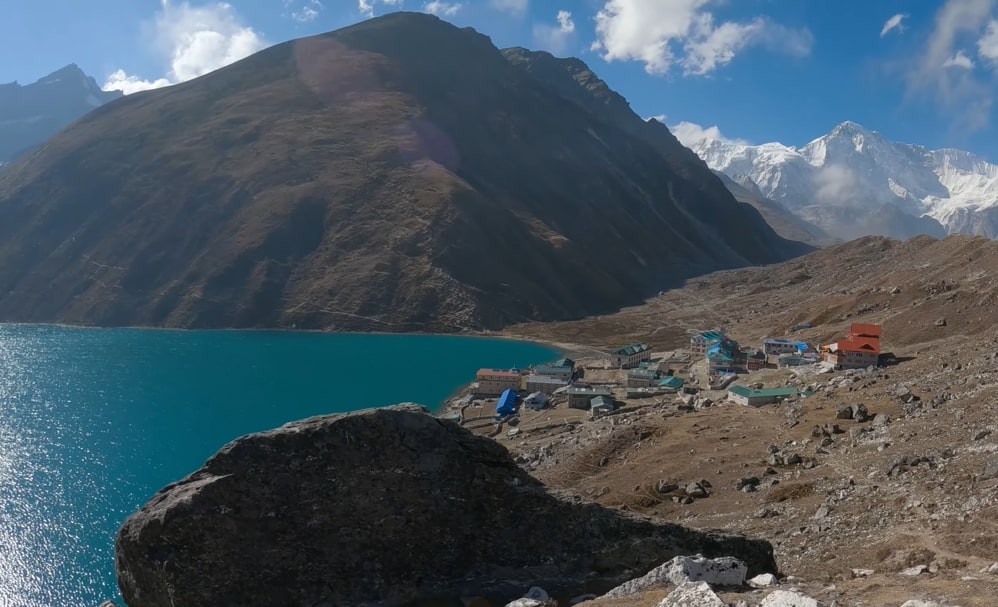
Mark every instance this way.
x=383 y=507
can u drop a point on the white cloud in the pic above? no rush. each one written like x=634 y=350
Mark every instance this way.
x=894 y=23
x=367 y=7
x=307 y=13
x=194 y=40
x=689 y=133
x=960 y=60
x=555 y=38
x=959 y=91
x=513 y=7
x=441 y=9
x=836 y=184
x=987 y=45
x=664 y=33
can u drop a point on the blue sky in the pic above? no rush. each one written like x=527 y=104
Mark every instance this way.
x=759 y=70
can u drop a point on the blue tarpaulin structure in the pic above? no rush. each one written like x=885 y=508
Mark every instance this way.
x=507 y=403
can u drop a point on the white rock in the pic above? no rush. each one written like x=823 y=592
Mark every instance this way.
x=525 y=603
x=787 y=598
x=916 y=570
x=918 y=603
x=692 y=594
x=764 y=580
x=538 y=594
x=993 y=568
x=724 y=571
x=862 y=572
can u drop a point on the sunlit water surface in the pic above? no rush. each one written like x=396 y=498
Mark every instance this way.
x=93 y=422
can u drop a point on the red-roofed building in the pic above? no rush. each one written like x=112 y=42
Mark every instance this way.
x=861 y=330
x=860 y=349
x=493 y=382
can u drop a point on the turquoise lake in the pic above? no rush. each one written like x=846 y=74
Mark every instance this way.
x=94 y=421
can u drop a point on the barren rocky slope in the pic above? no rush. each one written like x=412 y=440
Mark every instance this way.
x=399 y=174
x=851 y=510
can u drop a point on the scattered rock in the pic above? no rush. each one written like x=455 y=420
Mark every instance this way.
x=862 y=572
x=914 y=571
x=860 y=413
x=748 y=483
x=920 y=603
x=940 y=322
x=764 y=580
x=844 y=412
x=983 y=434
x=666 y=487
x=881 y=420
x=696 y=490
x=692 y=594
x=787 y=598
x=525 y=602
x=375 y=507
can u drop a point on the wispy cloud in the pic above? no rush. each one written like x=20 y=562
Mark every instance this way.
x=368 y=8
x=962 y=93
x=665 y=33
x=960 y=60
x=307 y=12
x=442 y=9
x=894 y=23
x=193 y=40
x=689 y=133
x=555 y=38
x=513 y=7
x=987 y=44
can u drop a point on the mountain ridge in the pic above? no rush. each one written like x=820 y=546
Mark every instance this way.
x=862 y=170
x=30 y=114
x=398 y=174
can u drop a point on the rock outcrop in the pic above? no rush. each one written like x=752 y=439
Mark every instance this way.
x=383 y=507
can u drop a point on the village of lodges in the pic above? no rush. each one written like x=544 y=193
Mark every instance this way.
x=601 y=385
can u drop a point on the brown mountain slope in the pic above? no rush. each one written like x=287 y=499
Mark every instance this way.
x=906 y=286
x=399 y=174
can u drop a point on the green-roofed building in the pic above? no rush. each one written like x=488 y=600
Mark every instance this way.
x=642 y=378
x=556 y=371
x=628 y=357
x=756 y=398
x=671 y=383
x=702 y=340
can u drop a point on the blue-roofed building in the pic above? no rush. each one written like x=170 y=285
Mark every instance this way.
x=725 y=356
x=701 y=341
x=507 y=403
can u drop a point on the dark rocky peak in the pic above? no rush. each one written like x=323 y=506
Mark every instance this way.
x=30 y=114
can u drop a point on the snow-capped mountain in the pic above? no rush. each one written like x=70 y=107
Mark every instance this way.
x=853 y=182
x=32 y=113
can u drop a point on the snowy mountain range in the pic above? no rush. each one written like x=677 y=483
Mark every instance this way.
x=32 y=113
x=853 y=182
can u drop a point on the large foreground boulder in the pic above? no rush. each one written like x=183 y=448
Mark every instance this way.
x=382 y=507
